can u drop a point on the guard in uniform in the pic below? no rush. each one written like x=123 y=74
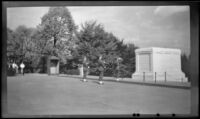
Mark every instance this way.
x=85 y=68
x=117 y=68
x=101 y=67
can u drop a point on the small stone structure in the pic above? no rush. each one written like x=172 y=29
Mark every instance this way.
x=158 y=64
x=53 y=65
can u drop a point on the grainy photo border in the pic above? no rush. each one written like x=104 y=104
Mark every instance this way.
x=194 y=39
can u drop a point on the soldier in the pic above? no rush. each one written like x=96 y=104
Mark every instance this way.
x=117 y=68
x=85 y=68
x=101 y=67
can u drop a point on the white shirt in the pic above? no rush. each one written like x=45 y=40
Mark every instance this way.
x=14 y=65
x=22 y=65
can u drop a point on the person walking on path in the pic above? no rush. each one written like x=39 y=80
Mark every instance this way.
x=85 y=68
x=22 y=66
x=101 y=67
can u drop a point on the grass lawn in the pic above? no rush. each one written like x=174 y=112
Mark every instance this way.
x=40 y=94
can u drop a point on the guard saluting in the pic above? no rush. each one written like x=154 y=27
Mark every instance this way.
x=101 y=63
x=85 y=68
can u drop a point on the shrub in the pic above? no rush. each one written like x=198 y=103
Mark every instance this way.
x=11 y=72
x=72 y=72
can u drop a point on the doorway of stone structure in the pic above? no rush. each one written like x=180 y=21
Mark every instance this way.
x=53 y=68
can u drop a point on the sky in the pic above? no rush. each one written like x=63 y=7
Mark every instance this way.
x=144 y=26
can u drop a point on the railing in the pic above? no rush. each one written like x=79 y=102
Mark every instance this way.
x=157 y=75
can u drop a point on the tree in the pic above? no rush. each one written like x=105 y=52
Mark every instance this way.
x=19 y=45
x=11 y=44
x=185 y=65
x=95 y=41
x=58 y=24
x=24 y=39
x=19 y=42
x=128 y=55
x=57 y=27
x=54 y=36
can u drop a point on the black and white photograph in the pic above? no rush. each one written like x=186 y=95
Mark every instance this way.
x=99 y=60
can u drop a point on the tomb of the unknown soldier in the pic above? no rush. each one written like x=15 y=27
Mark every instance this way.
x=158 y=64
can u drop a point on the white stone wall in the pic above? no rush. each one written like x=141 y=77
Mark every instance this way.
x=145 y=62
x=164 y=61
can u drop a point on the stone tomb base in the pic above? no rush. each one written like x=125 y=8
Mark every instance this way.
x=160 y=76
x=160 y=64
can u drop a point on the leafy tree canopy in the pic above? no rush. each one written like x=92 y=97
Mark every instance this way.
x=58 y=24
x=95 y=41
x=57 y=33
x=19 y=42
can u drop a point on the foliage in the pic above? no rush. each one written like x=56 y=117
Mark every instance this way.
x=95 y=41
x=19 y=44
x=12 y=44
x=57 y=31
x=11 y=72
x=185 y=65
x=72 y=72
x=58 y=24
x=57 y=35
x=54 y=36
x=128 y=55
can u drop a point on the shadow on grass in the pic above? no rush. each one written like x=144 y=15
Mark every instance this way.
x=167 y=85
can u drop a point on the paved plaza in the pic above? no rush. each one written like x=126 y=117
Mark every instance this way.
x=40 y=94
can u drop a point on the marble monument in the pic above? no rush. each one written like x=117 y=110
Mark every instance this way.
x=158 y=64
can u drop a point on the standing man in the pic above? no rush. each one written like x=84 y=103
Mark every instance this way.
x=85 y=68
x=117 y=68
x=101 y=64
x=22 y=66
x=15 y=67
